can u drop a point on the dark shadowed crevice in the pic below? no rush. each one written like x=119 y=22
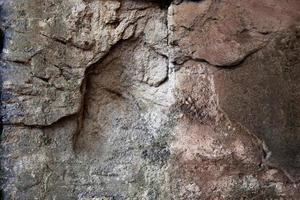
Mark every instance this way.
x=164 y=4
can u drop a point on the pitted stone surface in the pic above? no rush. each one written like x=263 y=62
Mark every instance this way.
x=111 y=99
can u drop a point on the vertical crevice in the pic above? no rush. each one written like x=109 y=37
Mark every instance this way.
x=80 y=117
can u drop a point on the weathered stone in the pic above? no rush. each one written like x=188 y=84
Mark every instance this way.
x=110 y=99
x=225 y=33
x=262 y=94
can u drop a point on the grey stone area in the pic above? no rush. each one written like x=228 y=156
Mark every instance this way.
x=151 y=100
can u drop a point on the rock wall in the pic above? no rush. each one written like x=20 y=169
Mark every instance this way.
x=132 y=99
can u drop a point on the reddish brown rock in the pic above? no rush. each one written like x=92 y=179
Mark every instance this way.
x=223 y=33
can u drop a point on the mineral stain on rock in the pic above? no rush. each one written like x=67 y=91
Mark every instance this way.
x=262 y=93
x=154 y=100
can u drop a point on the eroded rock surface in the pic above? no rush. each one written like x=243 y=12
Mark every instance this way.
x=110 y=99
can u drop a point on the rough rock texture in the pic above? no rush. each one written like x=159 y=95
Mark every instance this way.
x=132 y=99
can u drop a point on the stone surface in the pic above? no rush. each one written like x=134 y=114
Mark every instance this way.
x=109 y=99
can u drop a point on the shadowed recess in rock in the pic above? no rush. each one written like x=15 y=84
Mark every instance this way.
x=164 y=4
x=263 y=94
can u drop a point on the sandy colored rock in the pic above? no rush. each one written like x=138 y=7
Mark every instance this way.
x=151 y=100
